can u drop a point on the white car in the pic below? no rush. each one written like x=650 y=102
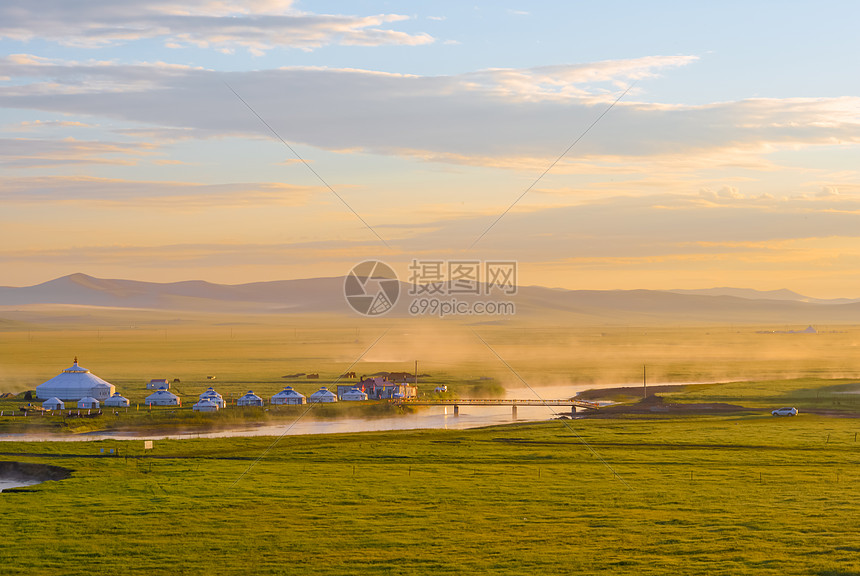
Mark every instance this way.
x=785 y=412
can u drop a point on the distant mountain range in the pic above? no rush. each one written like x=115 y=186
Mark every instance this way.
x=326 y=295
x=766 y=295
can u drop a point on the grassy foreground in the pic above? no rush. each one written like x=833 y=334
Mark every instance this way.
x=746 y=494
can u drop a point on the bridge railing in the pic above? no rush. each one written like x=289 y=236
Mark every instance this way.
x=497 y=402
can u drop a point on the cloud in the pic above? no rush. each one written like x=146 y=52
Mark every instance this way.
x=87 y=191
x=494 y=112
x=729 y=192
x=31 y=125
x=516 y=118
x=256 y=25
x=40 y=153
x=645 y=226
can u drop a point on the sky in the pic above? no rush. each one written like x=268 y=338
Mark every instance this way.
x=624 y=144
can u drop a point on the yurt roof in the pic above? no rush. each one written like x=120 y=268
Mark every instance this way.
x=76 y=367
x=205 y=402
x=288 y=392
x=250 y=394
x=161 y=392
x=75 y=376
x=88 y=399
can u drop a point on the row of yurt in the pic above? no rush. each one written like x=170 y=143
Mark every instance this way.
x=288 y=396
x=57 y=404
x=75 y=383
x=78 y=383
x=115 y=401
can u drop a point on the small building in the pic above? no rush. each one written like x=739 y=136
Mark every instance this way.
x=158 y=383
x=53 y=404
x=74 y=383
x=249 y=399
x=88 y=402
x=322 y=395
x=353 y=395
x=211 y=394
x=117 y=401
x=288 y=396
x=205 y=405
x=162 y=397
x=313 y=376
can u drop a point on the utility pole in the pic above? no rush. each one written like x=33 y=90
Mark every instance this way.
x=644 y=381
x=416 y=373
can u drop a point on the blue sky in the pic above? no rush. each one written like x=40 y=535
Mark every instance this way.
x=732 y=159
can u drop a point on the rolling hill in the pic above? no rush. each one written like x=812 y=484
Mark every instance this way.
x=326 y=295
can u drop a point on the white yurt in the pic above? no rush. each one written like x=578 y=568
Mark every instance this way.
x=212 y=395
x=75 y=383
x=53 y=404
x=88 y=402
x=288 y=396
x=162 y=397
x=323 y=395
x=205 y=405
x=249 y=399
x=117 y=401
x=353 y=395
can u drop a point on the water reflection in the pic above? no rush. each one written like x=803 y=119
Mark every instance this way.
x=427 y=417
x=6 y=484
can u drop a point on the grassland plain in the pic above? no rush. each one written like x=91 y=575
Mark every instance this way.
x=736 y=494
x=129 y=347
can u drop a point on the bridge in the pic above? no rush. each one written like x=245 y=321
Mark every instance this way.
x=513 y=403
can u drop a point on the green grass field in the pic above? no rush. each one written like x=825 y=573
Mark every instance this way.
x=654 y=493
x=693 y=495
